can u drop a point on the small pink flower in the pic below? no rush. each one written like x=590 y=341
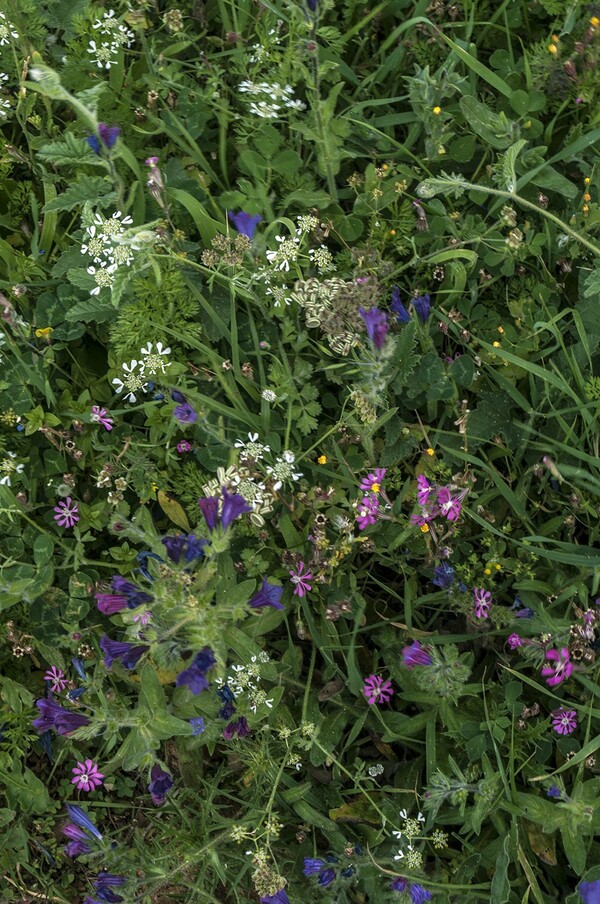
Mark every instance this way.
x=372 y=482
x=424 y=489
x=376 y=690
x=87 y=776
x=67 y=513
x=300 y=579
x=450 y=505
x=184 y=446
x=368 y=510
x=514 y=641
x=483 y=601
x=562 y=668
x=564 y=721
x=143 y=618
x=100 y=416
x=57 y=676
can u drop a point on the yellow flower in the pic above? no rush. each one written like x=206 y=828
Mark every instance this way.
x=424 y=528
x=595 y=21
x=587 y=180
x=497 y=567
x=487 y=570
x=384 y=166
x=586 y=208
x=587 y=197
x=552 y=48
x=375 y=487
x=430 y=451
x=44 y=333
x=392 y=232
x=436 y=111
x=322 y=460
x=500 y=329
x=497 y=344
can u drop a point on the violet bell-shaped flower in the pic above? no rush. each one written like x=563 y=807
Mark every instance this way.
x=268 y=595
x=160 y=784
x=128 y=654
x=245 y=223
x=376 y=322
x=52 y=715
x=194 y=676
x=397 y=308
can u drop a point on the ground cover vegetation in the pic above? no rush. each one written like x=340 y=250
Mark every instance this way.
x=299 y=451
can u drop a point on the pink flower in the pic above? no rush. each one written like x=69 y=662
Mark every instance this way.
x=300 y=580
x=376 y=690
x=100 y=416
x=564 y=721
x=427 y=514
x=514 y=641
x=368 y=510
x=450 y=505
x=87 y=777
x=424 y=489
x=57 y=676
x=184 y=446
x=483 y=601
x=67 y=513
x=372 y=482
x=562 y=668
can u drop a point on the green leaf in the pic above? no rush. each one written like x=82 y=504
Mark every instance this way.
x=495 y=128
x=206 y=226
x=508 y=164
x=43 y=549
x=69 y=151
x=24 y=789
x=500 y=888
x=482 y=71
x=80 y=192
x=92 y=309
x=152 y=696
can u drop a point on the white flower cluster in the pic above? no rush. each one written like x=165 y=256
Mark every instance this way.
x=5 y=105
x=104 y=244
x=260 y=53
x=283 y=470
x=112 y=35
x=7 y=30
x=412 y=828
x=270 y=99
x=136 y=372
x=286 y=253
x=251 y=450
x=246 y=679
x=8 y=468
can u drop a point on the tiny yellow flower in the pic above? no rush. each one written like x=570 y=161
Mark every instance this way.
x=587 y=197
x=44 y=333
x=500 y=329
x=594 y=21
x=424 y=528
x=487 y=570
x=384 y=166
x=586 y=209
x=375 y=487
x=497 y=567
x=430 y=451
x=587 y=180
x=154 y=487
x=392 y=232
x=322 y=460
x=552 y=48
x=436 y=111
x=497 y=344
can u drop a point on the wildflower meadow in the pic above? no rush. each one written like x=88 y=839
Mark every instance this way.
x=299 y=452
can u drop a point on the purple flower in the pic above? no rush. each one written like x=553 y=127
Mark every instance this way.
x=376 y=322
x=57 y=677
x=416 y=654
x=54 y=716
x=564 y=721
x=314 y=866
x=300 y=579
x=67 y=513
x=126 y=596
x=160 y=785
x=398 y=308
x=514 y=641
x=183 y=446
x=233 y=506
x=376 y=690
x=372 y=482
x=450 y=505
x=108 y=137
x=417 y=894
x=280 y=897
x=128 y=654
x=198 y=724
x=590 y=892
x=185 y=413
x=100 y=416
x=245 y=223
x=268 y=595
x=422 y=307
x=240 y=728
x=194 y=677
x=367 y=512
x=424 y=490
x=553 y=791
x=562 y=668
x=80 y=842
x=87 y=776
x=483 y=601
x=82 y=820
x=104 y=884
x=443 y=576
x=210 y=509
x=190 y=546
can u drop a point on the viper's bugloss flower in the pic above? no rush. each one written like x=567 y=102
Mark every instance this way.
x=422 y=307
x=416 y=892
x=106 y=134
x=231 y=507
x=245 y=223
x=239 y=727
x=280 y=897
x=553 y=791
x=125 y=596
x=194 y=677
x=189 y=546
x=376 y=690
x=209 y=506
x=443 y=576
x=322 y=869
x=416 y=654
x=160 y=785
x=52 y=715
x=376 y=322
x=561 y=669
x=564 y=721
x=198 y=725
x=589 y=892
x=268 y=595
x=185 y=413
x=301 y=580
x=128 y=654
x=398 y=308
x=104 y=885
x=80 y=818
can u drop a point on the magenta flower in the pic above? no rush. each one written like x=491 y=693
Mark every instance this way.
x=514 y=641
x=564 y=721
x=376 y=690
x=57 y=677
x=424 y=489
x=100 y=416
x=87 y=776
x=483 y=601
x=372 y=482
x=67 y=513
x=416 y=654
x=184 y=446
x=300 y=579
x=368 y=511
x=450 y=505
x=561 y=669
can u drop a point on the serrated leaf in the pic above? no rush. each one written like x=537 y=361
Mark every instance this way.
x=404 y=358
x=86 y=188
x=92 y=308
x=69 y=151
